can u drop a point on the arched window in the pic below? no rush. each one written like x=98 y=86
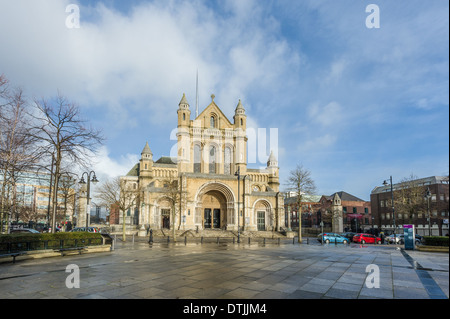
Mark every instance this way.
x=212 y=160
x=227 y=161
x=197 y=159
x=213 y=122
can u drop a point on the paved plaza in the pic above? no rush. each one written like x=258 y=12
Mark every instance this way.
x=233 y=271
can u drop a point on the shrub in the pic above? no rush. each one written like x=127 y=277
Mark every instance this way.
x=436 y=240
x=24 y=241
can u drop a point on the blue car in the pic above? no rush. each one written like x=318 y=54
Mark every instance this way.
x=332 y=238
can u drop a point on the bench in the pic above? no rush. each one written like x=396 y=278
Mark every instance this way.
x=13 y=255
x=62 y=250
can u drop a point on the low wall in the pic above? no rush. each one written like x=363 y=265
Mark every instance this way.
x=37 y=254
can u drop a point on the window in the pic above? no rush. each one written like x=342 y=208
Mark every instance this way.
x=213 y=122
x=366 y=210
x=184 y=117
x=381 y=203
x=197 y=159
x=227 y=161
x=212 y=160
x=345 y=209
x=354 y=210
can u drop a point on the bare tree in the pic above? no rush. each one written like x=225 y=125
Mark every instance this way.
x=17 y=146
x=120 y=192
x=409 y=198
x=177 y=196
x=64 y=136
x=300 y=182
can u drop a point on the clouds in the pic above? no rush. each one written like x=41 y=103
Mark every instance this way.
x=311 y=69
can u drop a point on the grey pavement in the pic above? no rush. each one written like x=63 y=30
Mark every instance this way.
x=233 y=271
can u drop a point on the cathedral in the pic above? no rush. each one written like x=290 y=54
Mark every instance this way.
x=207 y=185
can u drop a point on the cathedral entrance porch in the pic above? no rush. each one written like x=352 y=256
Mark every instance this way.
x=214 y=207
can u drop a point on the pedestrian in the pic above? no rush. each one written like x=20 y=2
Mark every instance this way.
x=382 y=237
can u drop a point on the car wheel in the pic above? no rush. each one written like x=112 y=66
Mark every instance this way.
x=363 y=241
x=327 y=241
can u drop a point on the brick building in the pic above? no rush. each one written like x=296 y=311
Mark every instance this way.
x=429 y=213
x=351 y=212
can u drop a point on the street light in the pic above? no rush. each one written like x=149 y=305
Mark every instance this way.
x=82 y=182
x=392 y=200
x=427 y=196
x=238 y=174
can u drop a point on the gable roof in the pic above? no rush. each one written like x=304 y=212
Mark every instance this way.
x=214 y=108
x=345 y=197
x=134 y=171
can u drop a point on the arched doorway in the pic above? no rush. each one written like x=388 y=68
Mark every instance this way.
x=163 y=207
x=214 y=206
x=263 y=215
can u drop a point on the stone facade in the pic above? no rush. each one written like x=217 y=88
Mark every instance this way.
x=211 y=176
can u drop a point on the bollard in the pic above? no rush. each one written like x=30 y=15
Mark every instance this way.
x=278 y=240
x=249 y=240
x=201 y=240
x=293 y=240
x=133 y=239
x=217 y=239
x=264 y=240
x=185 y=240
x=150 y=240
x=234 y=239
x=168 y=239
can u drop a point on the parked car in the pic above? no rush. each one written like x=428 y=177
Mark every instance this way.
x=348 y=235
x=24 y=230
x=89 y=229
x=332 y=238
x=399 y=239
x=366 y=239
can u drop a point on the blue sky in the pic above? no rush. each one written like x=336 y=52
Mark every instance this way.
x=353 y=105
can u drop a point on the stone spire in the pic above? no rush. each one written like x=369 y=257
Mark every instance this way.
x=147 y=152
x=240 y=109
x=184 y=105
x=272 y=161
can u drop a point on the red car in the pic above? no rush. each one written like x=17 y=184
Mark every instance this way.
x=366 y=239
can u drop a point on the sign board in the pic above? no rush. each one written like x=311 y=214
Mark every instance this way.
x=409 y=236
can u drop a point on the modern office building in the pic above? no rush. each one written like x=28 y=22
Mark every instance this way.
x=423 y=202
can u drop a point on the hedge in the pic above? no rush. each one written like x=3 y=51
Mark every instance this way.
x=21 y=241
x=436 y=241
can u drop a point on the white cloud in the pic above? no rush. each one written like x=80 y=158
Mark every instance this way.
x=328 y=115
x=107 y=167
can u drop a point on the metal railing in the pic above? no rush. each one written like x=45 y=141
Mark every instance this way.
x=11 y=247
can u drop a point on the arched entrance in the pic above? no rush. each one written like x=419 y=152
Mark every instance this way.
x=214 y=207
x=263 y=215
x=163 y=207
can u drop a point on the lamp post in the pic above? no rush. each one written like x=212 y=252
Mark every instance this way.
x=427 y=196
x=393 y=211
x=238 y=174
x=82 y=182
